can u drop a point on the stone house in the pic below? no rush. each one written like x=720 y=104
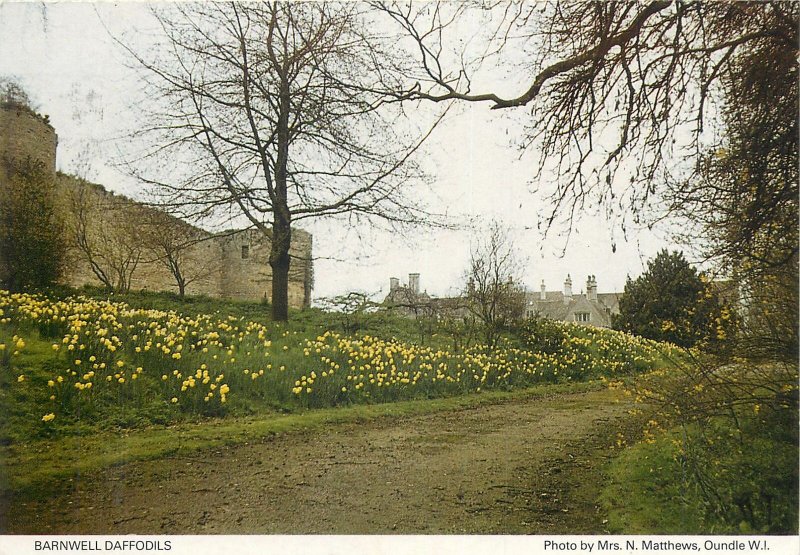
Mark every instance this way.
x=589 y=308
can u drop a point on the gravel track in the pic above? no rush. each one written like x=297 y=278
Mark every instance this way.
x=523 y=467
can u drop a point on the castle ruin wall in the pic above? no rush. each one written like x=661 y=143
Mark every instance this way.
x=216 y=264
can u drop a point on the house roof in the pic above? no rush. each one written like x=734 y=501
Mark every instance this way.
x=610 y=300
x=405 y=296
x=558 y=307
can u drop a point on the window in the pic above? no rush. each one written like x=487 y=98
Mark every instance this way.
x=245 y=251
x=581 y=316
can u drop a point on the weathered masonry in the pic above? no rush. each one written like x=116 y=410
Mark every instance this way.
x=232 y=264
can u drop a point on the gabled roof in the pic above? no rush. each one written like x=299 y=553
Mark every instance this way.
x=598 y=315
x=550 y=296
x=558 y=307
x=610 y=300
x=554 y=310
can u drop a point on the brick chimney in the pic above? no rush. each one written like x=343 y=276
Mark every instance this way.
x=542 y=292
x=413 y=282
x=568 y=289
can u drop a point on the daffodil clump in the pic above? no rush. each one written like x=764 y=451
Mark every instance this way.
x=103 y=356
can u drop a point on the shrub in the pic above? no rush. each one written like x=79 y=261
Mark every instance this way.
x=31 y=230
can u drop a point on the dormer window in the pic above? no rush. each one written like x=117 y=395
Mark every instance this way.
x=582 y=316
x=245 y=251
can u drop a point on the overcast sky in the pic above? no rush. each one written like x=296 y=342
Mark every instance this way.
x=65 y=59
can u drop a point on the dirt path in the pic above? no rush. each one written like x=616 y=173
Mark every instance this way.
x=525 y=467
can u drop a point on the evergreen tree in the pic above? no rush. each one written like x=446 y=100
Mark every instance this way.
x=671 y=302
x=31 y=230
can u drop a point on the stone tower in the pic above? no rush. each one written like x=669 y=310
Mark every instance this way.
x=24 y=133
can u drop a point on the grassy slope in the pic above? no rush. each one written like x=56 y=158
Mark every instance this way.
x=24 y=390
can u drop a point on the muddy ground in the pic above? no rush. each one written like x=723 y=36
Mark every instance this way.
x=523 y=467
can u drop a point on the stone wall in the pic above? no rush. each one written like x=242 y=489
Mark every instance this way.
x=213 y=263
x=118 y=229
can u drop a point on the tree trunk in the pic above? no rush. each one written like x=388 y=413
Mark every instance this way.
x=281 y=217
x=279 y=261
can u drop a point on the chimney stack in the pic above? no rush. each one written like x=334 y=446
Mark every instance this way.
x=394 y=284
x=413 y=283
x=591 y=288
x=568 y=289
x=542 y=292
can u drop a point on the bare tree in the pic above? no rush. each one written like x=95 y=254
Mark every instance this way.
x=80 y=228
x=457 y=322
x=494 y=292
x=172 y=243
x=607 y=86
x=106 y=235
x=280 y=111
x=353 y=310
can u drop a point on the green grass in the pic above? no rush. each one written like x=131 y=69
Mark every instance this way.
x=306 y=321
x=647 y=493
x=34 y=468
x=190 y=305
x=719 y=452
x=93 y=365
x=741 y=481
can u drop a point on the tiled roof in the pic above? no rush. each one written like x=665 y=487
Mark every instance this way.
x=557 y=307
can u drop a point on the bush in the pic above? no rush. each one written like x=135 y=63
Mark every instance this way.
x=31 y=230
x=544 y=336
